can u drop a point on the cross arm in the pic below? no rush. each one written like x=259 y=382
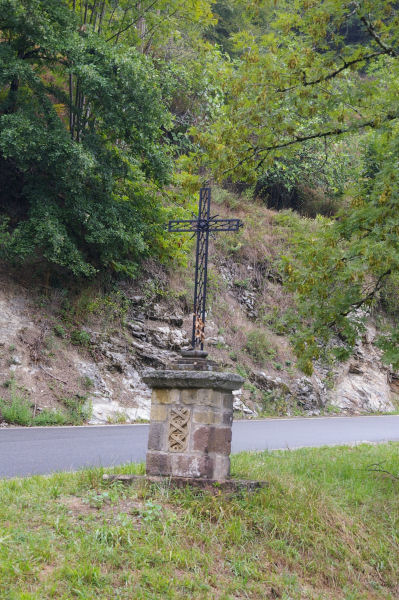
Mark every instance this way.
x=225 y=224
x=194 y=225
x=183 y=226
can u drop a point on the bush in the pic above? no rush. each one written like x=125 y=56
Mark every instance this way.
x=50 y=417
x=17 y=412
x=78 y=409
x=80 y=338
x=259 y=347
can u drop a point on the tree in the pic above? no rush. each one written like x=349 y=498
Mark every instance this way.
x=79 y=169
x=307 y=78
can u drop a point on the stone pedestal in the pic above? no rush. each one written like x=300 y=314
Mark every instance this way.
x=191 y=419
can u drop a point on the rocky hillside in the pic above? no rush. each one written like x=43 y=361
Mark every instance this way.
x=79 y=354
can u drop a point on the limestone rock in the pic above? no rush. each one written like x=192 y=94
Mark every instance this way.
x=362 y=383
x=239 y=406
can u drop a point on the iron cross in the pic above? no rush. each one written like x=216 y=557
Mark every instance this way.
x=201 y=227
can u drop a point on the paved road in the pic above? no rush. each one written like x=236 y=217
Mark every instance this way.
x=48 y=449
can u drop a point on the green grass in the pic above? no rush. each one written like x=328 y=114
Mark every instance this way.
x=326 y=527
x=18 y=411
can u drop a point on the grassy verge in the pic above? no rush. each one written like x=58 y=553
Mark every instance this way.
x=327 y=527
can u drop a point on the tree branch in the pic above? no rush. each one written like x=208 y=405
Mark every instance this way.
x=257 y=151
x=387 y=49
x=376 y=468
x=333 y=74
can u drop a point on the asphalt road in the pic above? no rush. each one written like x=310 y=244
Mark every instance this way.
x=28 y=451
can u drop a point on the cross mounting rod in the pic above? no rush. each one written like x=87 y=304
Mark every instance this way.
x=202 y=226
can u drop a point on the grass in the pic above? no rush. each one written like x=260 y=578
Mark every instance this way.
x=325 y=528
x=18 y=411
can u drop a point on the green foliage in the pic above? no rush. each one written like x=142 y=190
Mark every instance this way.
x=78 y=409
x=60 y=331
x=77 y=178
x=259 y=347
x=337 y=269
x=50 y=417
x=18 y=411
x=80 y=337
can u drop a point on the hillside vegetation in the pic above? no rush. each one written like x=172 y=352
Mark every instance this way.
x=72 y=353
x=114 y=113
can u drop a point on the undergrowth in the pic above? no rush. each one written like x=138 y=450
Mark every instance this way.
x=19 y=411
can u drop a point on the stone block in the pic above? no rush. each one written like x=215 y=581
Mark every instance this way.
x=158 y=463
x=156 y=436
x=221 y=467
x=159 y=412
x=200 y=439
x=191 y=465
x=227 y=418
x=210 y=398
x=189 y=396
x=207 y=416
x=220 y=440
x=212 y=439
x=228 y=401
x=172 y=379
x=165 y=396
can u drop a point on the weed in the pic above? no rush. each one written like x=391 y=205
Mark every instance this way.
x=96 y=499
x=50 y=417
x=17 y=411
x=118 y=417
x=86 y=382
x=79 y=410
x=151 y=512
x=259 y=347
x=60 y=331
x=241 y=371
x=244 y=284
x=80 y=338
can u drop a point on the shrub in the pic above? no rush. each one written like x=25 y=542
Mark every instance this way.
x=59 y=331
x=259 y=347
x=16 y=412
x=80 y=338
x=50 y=417
x=78 y=409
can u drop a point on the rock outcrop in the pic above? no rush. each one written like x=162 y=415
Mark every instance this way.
x=362 y=384
x=107 y=371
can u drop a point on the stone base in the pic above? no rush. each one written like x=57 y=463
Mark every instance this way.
x=191 y=418
x=210 y=485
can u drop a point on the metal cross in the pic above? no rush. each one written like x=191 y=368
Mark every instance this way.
x=201 y=227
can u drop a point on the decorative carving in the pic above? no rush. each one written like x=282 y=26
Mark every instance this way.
x=178 y=428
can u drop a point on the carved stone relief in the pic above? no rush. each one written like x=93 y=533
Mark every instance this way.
x=179 y=418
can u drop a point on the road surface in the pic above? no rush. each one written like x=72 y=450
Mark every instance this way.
x=28 y=451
